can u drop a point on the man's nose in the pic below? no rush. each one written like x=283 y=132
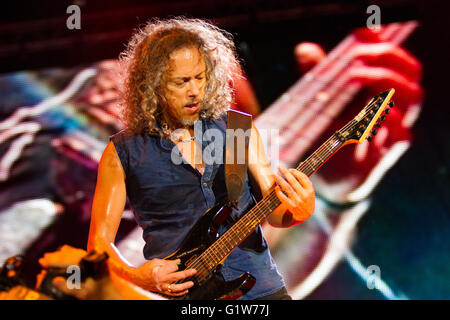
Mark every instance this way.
x=193 y=89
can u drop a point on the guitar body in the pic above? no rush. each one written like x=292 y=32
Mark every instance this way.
x=212 y=286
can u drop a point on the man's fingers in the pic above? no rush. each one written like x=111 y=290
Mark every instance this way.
x=302 y=179
x=376 y=78
x=180 y=275
x=291 y=179
x=390 y=56
x=176 y=290
x=284 y=185
x=169 y=266
x=179 y=287
x=283 y=197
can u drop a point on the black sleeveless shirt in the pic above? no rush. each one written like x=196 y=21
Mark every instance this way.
x=168 y=196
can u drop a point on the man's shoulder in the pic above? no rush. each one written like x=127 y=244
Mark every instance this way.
x=124 y=135
x=128 y=141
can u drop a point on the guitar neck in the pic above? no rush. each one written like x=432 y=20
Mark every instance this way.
x=245 y=225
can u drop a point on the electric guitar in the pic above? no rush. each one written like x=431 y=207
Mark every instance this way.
x=204 y=250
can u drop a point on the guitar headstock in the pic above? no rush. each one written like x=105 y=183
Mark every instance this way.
x=357 y=130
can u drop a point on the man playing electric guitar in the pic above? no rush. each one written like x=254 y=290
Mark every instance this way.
x=176 y=77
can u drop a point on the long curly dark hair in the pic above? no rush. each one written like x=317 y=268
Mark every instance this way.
x=145 y=60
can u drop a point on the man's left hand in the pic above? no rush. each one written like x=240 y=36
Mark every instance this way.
x=296 y=193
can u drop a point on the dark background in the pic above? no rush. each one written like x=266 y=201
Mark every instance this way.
x=34 y=34
x=407 y=226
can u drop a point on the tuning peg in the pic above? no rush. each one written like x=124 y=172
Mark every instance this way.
x=369 y=138
x=383 y=117
x=391 y=104
x=374 y=132
x=387 y=110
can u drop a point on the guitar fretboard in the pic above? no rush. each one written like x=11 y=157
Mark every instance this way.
x=220 y=249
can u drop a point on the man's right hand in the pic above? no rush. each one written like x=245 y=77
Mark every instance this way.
x=158 y=275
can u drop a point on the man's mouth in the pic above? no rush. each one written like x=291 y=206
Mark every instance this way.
x=193 y=107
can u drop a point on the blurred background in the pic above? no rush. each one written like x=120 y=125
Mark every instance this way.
x=380 y=229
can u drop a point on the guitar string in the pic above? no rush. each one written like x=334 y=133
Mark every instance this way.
x=327 y=146
x=221 y=243
x=249 y=219
x=247 y=223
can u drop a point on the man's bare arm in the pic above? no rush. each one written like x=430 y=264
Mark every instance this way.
x=107 y=208
x=109 y=201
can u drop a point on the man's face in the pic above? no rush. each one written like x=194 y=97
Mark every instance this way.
x=184 y=85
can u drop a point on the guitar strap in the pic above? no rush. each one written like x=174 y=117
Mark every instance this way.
x=236 y=165
x=238 y=133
